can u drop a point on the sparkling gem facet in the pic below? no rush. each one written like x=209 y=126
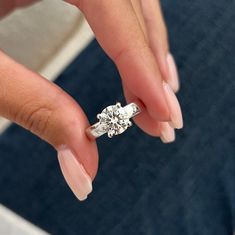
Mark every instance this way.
x=114 y=120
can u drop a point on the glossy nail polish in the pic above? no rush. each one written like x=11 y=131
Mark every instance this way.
x=173 y=79
x=75 y=174
x=167 y=133
x=174 y=107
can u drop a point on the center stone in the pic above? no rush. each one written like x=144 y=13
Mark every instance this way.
x=114 y=120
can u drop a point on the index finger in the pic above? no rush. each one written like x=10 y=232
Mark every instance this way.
x=119 y=33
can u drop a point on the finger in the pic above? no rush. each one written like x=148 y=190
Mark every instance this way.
x=158 y=40
x=118 y=31
x=144 y=121
x=136 y=4
x=43 y=108
x=148 y=124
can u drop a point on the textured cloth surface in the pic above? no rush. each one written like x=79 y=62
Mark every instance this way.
x=143 y=186
x=31 y=35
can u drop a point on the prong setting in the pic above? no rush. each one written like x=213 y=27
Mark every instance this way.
x=110 y=133
x=113 y=120
x=118 y=105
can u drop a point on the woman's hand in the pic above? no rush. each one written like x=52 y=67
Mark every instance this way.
x=133 y=34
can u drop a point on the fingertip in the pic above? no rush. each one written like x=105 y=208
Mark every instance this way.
x=72 y=133
x=157 y=106
x=74 y=173
x=148 y=123
x=160 y=113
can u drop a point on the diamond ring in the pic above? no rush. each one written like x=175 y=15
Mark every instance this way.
x=113 y=120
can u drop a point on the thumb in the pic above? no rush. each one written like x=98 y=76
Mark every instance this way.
x=46 y=110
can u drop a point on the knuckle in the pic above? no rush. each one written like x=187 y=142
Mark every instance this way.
x=49 y=117
x=35 y=118
x=36 y=115
x=38 y=120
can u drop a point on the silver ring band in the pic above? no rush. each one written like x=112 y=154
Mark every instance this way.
x=113 y=120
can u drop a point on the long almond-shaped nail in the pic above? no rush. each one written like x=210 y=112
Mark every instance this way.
x=75 y=174
x=167 y=133
x=173 y=79
x=174 y=107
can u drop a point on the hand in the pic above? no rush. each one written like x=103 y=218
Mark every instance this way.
x=133 y=34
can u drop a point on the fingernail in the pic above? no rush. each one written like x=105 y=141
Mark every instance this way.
x=167 y=133
x=75 y=174
x=173 y=79
x=174 y=106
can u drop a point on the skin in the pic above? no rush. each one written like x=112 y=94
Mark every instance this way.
x=139 y=52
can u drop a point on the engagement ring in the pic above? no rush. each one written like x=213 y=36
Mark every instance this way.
x=113 y=120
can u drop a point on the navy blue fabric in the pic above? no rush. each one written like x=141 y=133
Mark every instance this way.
x=143 y=186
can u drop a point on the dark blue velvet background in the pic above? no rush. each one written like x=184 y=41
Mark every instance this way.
x=143 y=186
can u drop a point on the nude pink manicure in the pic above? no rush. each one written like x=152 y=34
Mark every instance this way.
x=167 y=133
x=75 y=174
x=173 y=79
x=174 y=107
